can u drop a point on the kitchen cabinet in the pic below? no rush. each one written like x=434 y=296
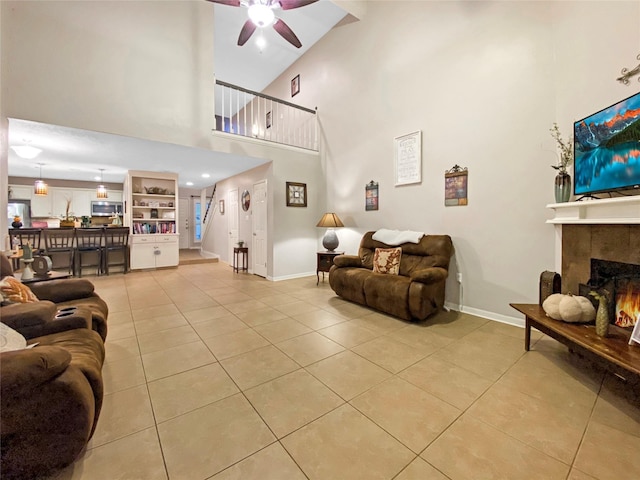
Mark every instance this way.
x=112 y=196
x=152 y=211
x=55 y=203
x=60 y=197
x=154 y=251
x=41 y=205
x=81 y=203
x=20 y=192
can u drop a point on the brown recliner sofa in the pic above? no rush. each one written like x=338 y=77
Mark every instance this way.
x=54 y=295
x=50 y=401
x=51 y=394
x=415 y=294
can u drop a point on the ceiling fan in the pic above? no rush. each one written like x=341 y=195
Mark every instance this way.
x=261 y=14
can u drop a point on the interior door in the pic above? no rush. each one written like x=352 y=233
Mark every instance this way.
x=259 y=210
x=183 y=222
x=232 y=221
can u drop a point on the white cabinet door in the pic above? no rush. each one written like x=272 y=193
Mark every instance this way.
x=114 y=196
x=169 y=252
x=20 y=192
x=60 y=198
x=81 y=203
x=41 y=205
x=142 y=256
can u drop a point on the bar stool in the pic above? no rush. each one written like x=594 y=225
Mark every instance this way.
x=60 y=242
x=116 y=242
x=89 y=242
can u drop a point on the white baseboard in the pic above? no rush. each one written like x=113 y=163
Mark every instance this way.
x=207 y=254
x=497 y=317
x=291 y=277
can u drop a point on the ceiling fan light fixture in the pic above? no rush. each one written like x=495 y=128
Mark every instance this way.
x=261 y=15
x=26 y=151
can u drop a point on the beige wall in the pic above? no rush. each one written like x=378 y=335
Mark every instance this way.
x=483 y=81
x=137 y=68
x=293 y=237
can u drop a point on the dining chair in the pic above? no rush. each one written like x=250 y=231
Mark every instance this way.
x=89 y=246
x=28 y=235
x=60 y=243
x=116 y=248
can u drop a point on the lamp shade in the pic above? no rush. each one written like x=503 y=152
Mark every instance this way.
x=330 y=220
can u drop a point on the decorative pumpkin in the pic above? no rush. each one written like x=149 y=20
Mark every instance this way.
x=569 y=308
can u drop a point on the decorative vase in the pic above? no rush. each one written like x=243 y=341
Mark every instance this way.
x=67 y=223
x=563 y=187
x=602 y=315
x=16 y=224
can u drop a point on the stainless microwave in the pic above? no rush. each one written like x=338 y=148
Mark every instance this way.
x=105 y=209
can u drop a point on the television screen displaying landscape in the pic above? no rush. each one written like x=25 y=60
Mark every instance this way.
x=607 y=149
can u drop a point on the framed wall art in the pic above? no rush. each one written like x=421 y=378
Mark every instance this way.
x=296 y=194
x=408 y=158
x=221 y=206
x=246 y=200
x=456 y=181
x=371 y=196
x=295 y=85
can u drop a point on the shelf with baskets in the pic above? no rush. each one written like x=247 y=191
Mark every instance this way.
x=153 y=218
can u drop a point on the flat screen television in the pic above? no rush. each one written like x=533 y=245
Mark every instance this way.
x=607 y=149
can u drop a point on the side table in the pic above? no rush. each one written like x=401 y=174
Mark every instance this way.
x=43 y=278
x=325 y=261
x=237 y=253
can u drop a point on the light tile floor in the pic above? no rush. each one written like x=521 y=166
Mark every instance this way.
x=216 y=375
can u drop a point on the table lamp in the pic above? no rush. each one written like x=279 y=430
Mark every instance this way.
x=330 y=239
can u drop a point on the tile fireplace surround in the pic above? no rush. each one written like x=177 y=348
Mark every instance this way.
x=607 y=229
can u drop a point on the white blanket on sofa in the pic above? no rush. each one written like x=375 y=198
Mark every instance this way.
x=397 y=237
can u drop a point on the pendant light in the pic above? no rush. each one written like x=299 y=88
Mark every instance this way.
x=40 y=188
x=101 y=191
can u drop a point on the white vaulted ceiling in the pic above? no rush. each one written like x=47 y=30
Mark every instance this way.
x=74 y=154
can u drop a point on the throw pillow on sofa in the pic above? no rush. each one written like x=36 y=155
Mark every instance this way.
x=11 y=340
x=387 y=260
x=14 y=291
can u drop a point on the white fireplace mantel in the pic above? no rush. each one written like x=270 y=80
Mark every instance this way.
x=620 y=210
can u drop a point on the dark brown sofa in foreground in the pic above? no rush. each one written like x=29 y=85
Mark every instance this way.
x=50 y=401
x=415 y=294
x=54 y=295
x=51 y=394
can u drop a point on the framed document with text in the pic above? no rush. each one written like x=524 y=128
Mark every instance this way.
x=408 y=158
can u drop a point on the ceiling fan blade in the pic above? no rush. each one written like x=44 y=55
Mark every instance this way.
x=247 y=30
x=291 y=4
x=286 y=33
x=231 y=3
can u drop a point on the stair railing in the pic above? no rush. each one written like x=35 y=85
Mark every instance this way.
x=241 y=111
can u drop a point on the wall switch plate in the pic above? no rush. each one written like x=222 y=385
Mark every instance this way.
x=459 y=277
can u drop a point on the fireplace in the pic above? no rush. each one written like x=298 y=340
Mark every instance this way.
x=620 y=283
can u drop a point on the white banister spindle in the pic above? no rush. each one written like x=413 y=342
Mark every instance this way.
x=222 y=113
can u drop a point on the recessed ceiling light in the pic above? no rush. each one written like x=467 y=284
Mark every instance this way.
x=189 y=184
x=205 y=175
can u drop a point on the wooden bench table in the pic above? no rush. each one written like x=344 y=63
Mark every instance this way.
x=613 y=351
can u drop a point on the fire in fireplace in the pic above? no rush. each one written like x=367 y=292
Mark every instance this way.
x=620 y=282
x=627 y=302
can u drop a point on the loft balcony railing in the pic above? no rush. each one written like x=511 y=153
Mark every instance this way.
x=252 y=114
